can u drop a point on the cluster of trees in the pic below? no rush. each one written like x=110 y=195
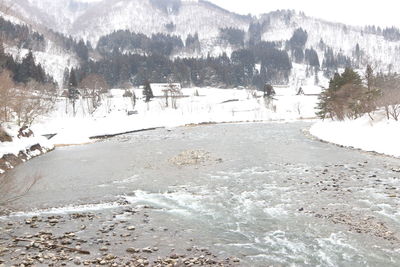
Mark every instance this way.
x=26 y=91
x=79 y=47
x=297 y=43
x=233 y=36
x=239 y=70
x=21 y=36
x=311 y=58
x=390 y=34
x=192 y=43
x=255 y=33
x=24 y=71
x=333 y=61
x=24 y=102
x=351 y=96
x=124 y=40
x=389 y=86
x=90 y=90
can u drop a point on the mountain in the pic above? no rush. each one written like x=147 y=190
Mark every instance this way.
x=335 y=45
x=375 y=46
x=92 y=19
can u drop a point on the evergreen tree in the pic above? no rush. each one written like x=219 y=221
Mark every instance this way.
x=369 y=77
x=73 y=82
x=345 y=97
x=66 y=78
x=26 y=69
x=147 y=92
x=269 y=91
x=73 y=93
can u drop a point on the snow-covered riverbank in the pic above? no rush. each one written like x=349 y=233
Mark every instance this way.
x=198 y=105
x=21 y=149
x=378 y=135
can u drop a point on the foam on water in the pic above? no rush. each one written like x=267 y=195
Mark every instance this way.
x=389 y=211
x=175 y=202
x=67 y=209
x=121 y=182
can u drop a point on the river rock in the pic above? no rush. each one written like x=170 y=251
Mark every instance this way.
x=77 y=261
x=53 y=221
x=132 y=250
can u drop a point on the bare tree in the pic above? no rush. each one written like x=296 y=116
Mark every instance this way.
x=33 y=100
x=173 y=91
x=391 y=102
x=390 y=95
x=93 y=86
x=131 y=95
x=7 y=94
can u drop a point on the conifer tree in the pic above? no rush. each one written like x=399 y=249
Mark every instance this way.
x=147 y=92
x=73 y=92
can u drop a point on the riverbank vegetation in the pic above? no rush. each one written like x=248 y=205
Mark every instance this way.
x=351 y=96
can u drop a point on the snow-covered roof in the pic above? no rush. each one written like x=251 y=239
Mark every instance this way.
x=311 y=89
x=159 y=88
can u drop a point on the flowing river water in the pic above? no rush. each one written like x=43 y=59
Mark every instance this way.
x=268 y=195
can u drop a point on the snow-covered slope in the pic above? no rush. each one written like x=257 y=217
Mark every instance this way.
x=142 y=16
x=52 y=57
x=91 y=19
x=53 y=60
x=377 y=51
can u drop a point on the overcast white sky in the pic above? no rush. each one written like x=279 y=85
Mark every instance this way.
x=354 y=12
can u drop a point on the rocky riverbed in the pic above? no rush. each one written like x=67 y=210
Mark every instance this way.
x=123 y=236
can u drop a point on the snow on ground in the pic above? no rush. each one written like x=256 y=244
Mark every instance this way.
x=380 y=135
x=212 y=105
x=23 y=144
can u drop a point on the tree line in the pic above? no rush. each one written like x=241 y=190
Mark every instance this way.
x=238 y=70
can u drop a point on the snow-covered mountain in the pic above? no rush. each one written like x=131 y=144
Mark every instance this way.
x=92 y=19
x=374 y=48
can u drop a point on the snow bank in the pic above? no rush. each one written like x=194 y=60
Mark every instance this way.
x=380 y=135
x=211 y=105
x=23 y=144
x=21 y=149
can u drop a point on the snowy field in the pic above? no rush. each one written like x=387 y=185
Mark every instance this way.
x=199 y=105
x=378 y=135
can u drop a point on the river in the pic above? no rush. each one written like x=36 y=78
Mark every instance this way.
x=268 y=194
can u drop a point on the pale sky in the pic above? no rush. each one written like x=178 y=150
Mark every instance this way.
x=367 y=12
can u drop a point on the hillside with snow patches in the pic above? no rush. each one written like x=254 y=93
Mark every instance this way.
x=92 y=19
x=375 y=50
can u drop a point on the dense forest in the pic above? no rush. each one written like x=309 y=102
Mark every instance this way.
x=135 y=58
x=237 y=70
